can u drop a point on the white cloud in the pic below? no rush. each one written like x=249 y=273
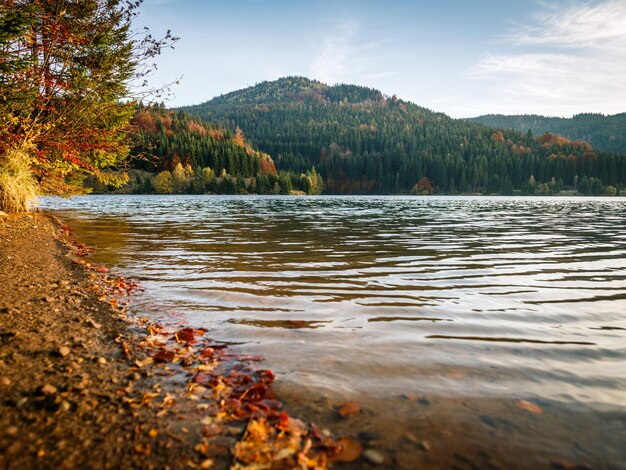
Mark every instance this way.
x=580 y=65
x=332 y=60
x=343 y=56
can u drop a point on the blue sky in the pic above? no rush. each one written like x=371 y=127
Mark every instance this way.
x=463 y=58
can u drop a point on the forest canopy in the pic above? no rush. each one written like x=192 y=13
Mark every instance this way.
x=363 y=142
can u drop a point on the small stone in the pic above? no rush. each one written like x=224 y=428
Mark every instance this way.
x=374 y=457
x=102 y=360
x=369 y=436
x=423 y=445
x=12 y=430
x=5 y=381
x=49 y=299
x=64 y=406
x=64 y=351
x=48 y=389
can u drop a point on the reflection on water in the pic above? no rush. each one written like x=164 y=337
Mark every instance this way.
x=376 y=294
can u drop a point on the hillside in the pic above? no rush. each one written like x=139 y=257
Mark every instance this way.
x=173 y=152
x=605 y=133
x=363 y=142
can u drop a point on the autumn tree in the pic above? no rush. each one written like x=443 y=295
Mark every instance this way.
x=68 y=71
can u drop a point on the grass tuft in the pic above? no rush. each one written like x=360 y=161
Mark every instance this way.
x=18 y=187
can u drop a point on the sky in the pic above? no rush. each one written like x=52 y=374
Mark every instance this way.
x=461 y=57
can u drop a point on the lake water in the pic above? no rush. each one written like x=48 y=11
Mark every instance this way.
x=468 y=303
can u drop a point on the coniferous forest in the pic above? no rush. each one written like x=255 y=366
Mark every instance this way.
x=605 y=133
x=362 y=142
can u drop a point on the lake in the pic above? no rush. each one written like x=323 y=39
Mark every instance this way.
x=438 y=314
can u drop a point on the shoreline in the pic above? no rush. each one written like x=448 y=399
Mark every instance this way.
x=85 y=386
x=160 y=394
x=70 y=397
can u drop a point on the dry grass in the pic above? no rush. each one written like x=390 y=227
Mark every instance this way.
x=18 y=188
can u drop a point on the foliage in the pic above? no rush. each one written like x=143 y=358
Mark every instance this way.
x=423 y=187
x=363 y=142
x=196 y=157
x=17 y=185
x=66 y=66
x=606 y=133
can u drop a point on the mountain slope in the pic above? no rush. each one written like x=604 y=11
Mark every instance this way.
x=606 y=133
x=363 y=142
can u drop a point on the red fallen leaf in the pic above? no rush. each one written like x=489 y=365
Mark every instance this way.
x=283 y=421
x=207 y=352
x=349 y=450
x=186 y=335
x=254 y=393
x=348 y=409
x=164 y=356
x=102 y=269
x=266 y=373
x=529 y=406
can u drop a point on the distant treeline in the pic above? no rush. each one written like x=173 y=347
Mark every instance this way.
x=605 y=133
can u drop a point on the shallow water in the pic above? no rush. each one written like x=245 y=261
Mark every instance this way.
x=372 y=297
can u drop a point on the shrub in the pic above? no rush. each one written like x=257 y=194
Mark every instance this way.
x=18 y=187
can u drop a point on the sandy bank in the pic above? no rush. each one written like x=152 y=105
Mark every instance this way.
x=84 y=385
x=70 y=398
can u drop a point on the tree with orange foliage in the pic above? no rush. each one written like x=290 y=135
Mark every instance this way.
x=68 y=67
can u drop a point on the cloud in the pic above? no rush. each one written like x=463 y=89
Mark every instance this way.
x=569 y=60
x=344 y=56
x=331 y=61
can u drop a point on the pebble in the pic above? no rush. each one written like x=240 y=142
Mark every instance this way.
x=48 y=389
x=373 y=456
x=5 y=381
x=48 y=299
x=64 y=351
x=102 y=360
x=12 y=430
x=369 y=436
x=64 y=406
x=423 y=445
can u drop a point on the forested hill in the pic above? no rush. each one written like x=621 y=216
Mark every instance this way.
x=194 y=156
x=361 y=141
x=606 y=133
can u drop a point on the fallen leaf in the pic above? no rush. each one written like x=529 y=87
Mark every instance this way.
x=186 y=335
x=348 y=409
x=529 y=406
x=102 y=269
x=164 y=356
x=349 y=450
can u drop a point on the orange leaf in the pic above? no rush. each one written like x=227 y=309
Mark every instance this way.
x=349 y=450
x=529 y=406
x=348 y=409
